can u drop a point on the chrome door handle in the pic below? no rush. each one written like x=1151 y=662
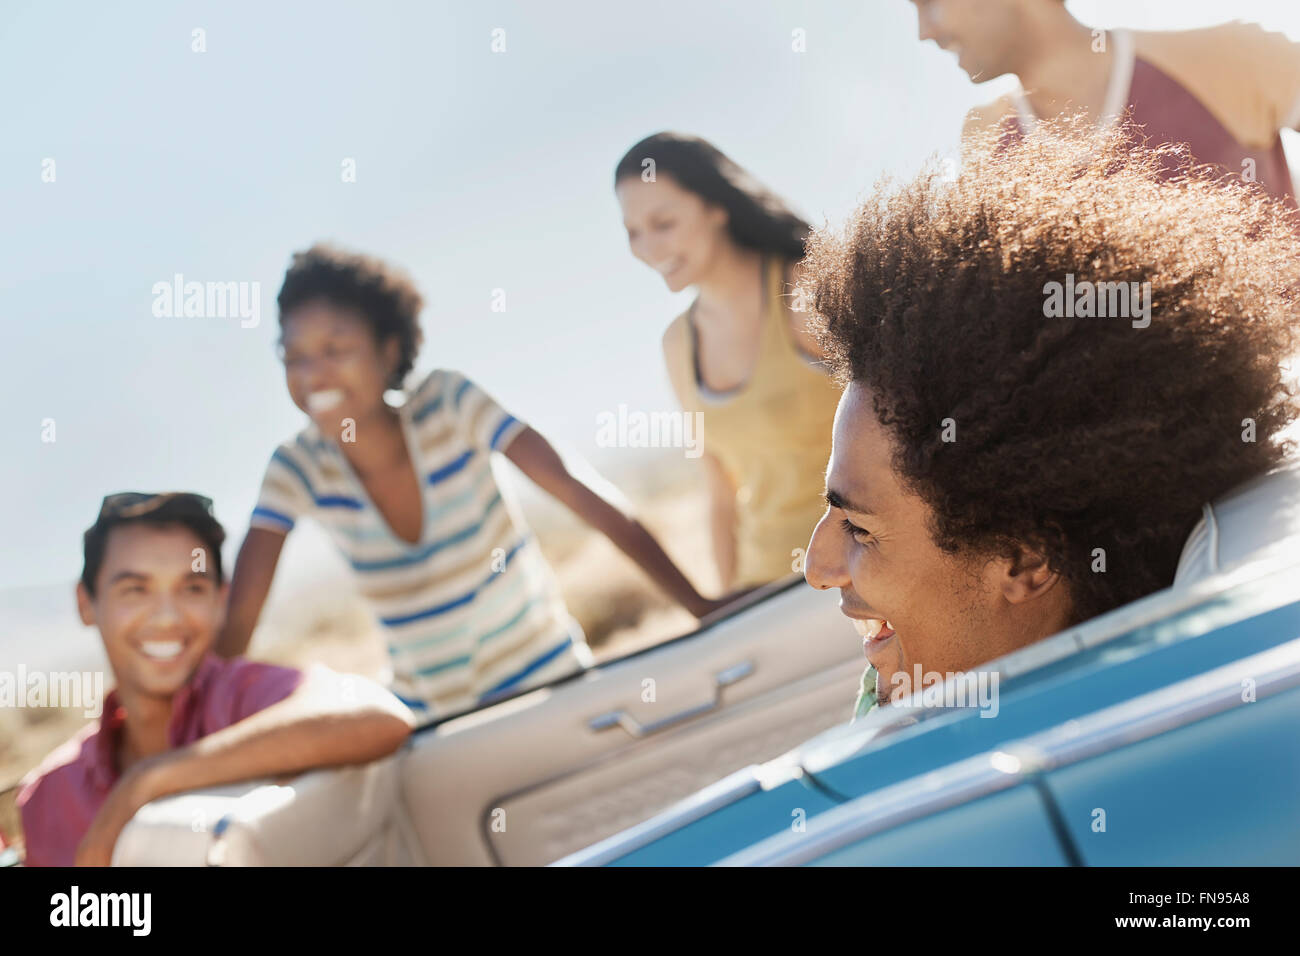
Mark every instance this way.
x=621 y=718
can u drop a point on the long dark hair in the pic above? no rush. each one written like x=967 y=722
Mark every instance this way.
x=756 y=217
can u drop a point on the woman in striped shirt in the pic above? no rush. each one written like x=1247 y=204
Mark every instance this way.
x=407 y=493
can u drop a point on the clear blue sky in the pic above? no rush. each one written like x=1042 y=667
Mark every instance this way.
x=475 y=171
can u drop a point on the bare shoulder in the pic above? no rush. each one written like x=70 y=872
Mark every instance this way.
x=1224 y=48
x=1235 y=36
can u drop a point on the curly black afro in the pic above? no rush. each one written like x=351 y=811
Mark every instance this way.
x=1071 y=433
x=385 y=296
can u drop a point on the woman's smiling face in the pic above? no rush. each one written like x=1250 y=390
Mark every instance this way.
x=914 y=603
x=333 y=366
x=671 y=229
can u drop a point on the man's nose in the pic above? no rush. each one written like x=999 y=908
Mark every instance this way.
x=164 y=613
x=824 y=566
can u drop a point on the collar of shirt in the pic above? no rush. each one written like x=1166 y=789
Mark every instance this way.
x=101 y=763
x=866 y=702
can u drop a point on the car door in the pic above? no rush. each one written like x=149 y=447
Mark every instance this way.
x=530 y=779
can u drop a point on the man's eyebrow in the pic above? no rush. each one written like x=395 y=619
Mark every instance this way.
x=837 y=500
x=141 y=576
x=123 y=575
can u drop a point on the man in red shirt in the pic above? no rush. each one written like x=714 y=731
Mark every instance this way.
x=1225 y=91
x=181 y=718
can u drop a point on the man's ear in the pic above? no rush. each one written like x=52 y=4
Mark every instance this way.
x=1025 y=576
x=85 y=605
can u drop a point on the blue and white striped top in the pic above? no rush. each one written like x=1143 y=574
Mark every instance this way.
x=472 y=610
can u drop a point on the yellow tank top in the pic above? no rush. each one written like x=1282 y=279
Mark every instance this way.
x=772 y=435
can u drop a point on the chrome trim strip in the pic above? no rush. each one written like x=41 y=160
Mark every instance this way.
x=1195 y=698
x=881 y=810
x=1180 y=704
x=1176 y=600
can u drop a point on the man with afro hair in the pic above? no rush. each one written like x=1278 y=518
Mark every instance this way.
x=993 y=440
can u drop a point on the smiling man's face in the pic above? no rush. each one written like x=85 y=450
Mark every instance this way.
x=912 y=602
x=157 y=614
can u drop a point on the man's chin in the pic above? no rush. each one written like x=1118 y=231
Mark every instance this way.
x=885 y=656
x=163 y=681
x=158 y=690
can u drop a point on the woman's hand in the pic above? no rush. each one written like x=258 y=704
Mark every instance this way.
x=535 y=457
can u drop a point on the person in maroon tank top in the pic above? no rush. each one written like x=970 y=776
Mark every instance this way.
x=1225 y=91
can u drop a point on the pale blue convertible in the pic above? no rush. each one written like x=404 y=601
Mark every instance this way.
x=1164 y=733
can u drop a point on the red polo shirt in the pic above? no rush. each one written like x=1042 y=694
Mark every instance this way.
x=60 y=798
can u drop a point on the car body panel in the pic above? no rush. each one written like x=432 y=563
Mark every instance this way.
x=1102 y=667
x=1011 y=828
x=1096 y=678
x=1222 y=791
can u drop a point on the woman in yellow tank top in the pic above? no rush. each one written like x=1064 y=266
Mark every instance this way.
x=741 y=355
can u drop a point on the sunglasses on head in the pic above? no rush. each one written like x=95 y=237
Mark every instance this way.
x=129 y=504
